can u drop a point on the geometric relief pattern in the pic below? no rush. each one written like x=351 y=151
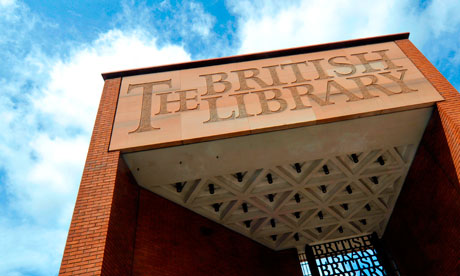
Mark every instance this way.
x=304 y=202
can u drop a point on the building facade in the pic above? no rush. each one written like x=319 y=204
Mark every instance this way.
x=346 y=153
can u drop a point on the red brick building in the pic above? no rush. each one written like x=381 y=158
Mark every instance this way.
x=232 y=166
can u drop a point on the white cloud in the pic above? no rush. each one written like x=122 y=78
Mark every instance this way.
x=13 y=13
x=268 y=25
x=32 y=249
x=200 y=21
x=7 y=3
x=182 y=21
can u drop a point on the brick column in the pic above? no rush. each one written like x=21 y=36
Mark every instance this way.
x=101 y=235
x=449 y=110
x=423 y=232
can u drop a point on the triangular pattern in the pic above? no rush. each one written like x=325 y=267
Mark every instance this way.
x=304 y=201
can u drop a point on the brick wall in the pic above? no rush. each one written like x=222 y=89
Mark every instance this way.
x=96 y=242
x=119 y=247
x=423 y=234
x=172 y=240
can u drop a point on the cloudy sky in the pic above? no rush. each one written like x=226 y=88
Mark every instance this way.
x=53 y=52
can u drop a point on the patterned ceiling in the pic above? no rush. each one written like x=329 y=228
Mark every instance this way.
x=305 y=201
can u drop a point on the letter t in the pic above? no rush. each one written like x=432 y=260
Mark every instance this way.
x=146 y=110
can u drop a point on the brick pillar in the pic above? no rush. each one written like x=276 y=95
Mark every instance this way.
x=101 y=235
x=423 y=232
x=449 y=110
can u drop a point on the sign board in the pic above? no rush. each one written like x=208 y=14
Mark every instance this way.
x=206 y=103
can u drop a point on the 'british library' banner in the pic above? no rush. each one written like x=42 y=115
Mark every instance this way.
x=206 y=103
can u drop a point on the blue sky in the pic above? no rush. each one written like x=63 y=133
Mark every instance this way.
x=52 y=54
